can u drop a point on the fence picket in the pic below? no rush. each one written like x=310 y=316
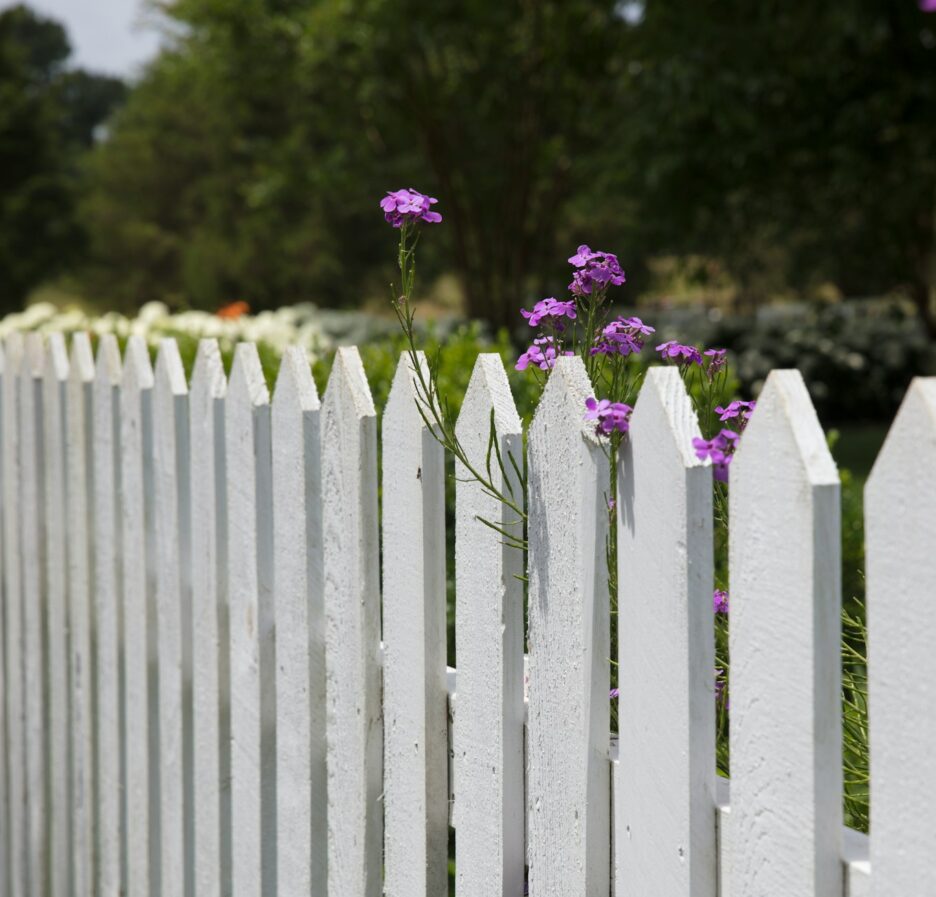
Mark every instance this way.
x=33 y=570
x=5 y=731
x=250 y=575
x=56 y=699
x=302 y=833
x=80 y=526
x=211 y=659
x=173 y=614
x=664 y=822
x=786 y=789
x=414 y=670
x=139 y=623
x=900 y=528
x=108 y=618
x=352 y=614
x=488 y=727
x=569 y=646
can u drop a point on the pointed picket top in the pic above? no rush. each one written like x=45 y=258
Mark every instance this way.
x=563 y=400
x=208 y=377
x=664 y=826
x=56 y=361
x=33 y=354
x=295 y=387
x=569 y=826
x=900 y=529
x=137 y=367
x=405 y=392
x=169 y=375
x=247 y=380
x=81 y=364
x=785 y=405
x=108 y=368
x=488 y=388
x=347 y=385
x=487 y=732
x=786 y=770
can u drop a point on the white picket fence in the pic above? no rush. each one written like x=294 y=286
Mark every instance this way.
x=210 y=689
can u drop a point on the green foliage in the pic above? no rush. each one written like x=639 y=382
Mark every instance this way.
x=47 y=116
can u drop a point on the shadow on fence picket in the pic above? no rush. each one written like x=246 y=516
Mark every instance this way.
x=208 y=691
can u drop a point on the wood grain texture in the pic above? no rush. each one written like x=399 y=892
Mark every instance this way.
x=664 y=822
x=141 y=712
x=210 y=661
x=352 y=614
x=568 y=768
x=108 y=619
x=13 y=695
x=900 y=522
x=250 y=591
x=302 y=829
x=80 y=527
x=786 y=760
x=171 y=513
x=414 y=636
x=488 y=729
x=33 y=571
x=5 y=732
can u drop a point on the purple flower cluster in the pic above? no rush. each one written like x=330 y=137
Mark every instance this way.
x=720 y=450
x=717 y=359
x=596 y=269
x=720 y=601
x=737 y=409
x=680 y=353
x=610 y=416
x=542 y=353
x=552 y=309
x=407 y=206
x=622 y=336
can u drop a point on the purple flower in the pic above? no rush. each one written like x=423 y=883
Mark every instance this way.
x=596 y=268
x=683 y=354
x=614 y=693
x=721 y=686
x=623 y=336
x=718 y=358
x=610 y=415
x=720 y=601
x=550 y=308
x=736 y=409
x=404 y=206
x=542 y=353
x=720 y=450
x=927 y=5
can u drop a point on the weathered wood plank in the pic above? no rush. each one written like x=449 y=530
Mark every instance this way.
x=900 y=522
x=786 y=767
x=211 y=657
x=352 y=613
x=250 y=584
x=302 y=830
x=569 y=646
x=55 y=385
x=15 y=869
x=80 y=477
x=173 y=616
x=139 y=624
x=488 y=731
x=108 y=619
x=665 y=828
x=5 y=733
x=33 y=571
x=414 y=637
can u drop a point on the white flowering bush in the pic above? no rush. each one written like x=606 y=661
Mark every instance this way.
x=273 y=331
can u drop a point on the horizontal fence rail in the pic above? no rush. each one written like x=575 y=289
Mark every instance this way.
x=224 y=666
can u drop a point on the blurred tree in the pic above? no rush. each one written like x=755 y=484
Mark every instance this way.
x=46 y=115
